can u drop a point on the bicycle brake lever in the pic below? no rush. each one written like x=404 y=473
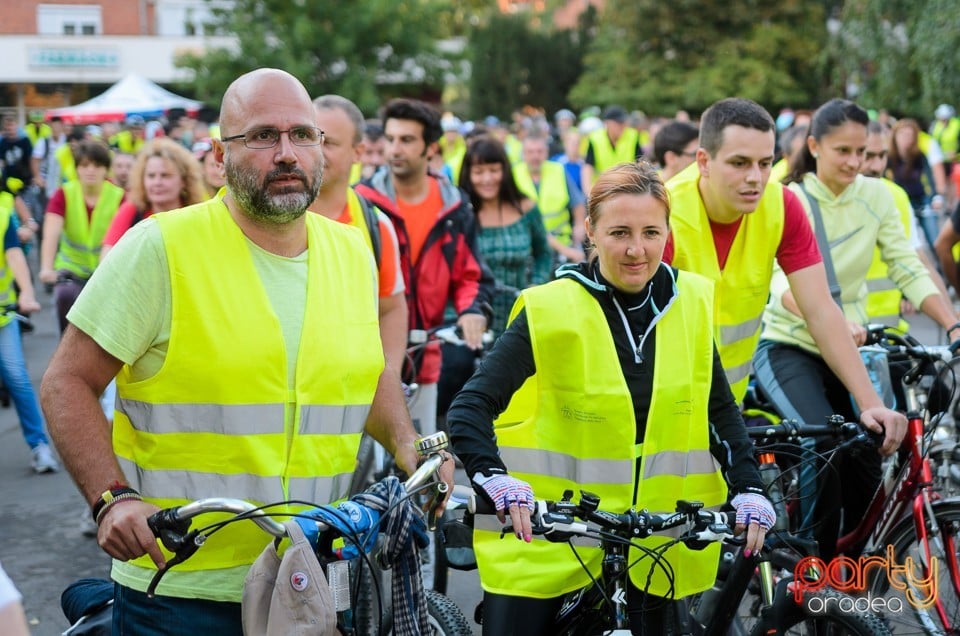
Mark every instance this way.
x=191 y=543
x=170 y=529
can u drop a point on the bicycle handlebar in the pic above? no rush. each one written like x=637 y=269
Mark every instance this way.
x=792 y=431
x=172 y=525
x=558 y=520
x=896 y=342
x=451 y=334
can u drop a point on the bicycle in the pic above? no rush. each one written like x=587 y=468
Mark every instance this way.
x=906 y=516
x=374 y=462
x=357 y=608
x=601 y=608
x=748 y=594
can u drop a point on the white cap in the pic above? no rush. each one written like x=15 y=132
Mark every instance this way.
x=451 y=123
x=944 y=111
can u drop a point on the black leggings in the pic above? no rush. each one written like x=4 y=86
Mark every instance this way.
x=524 y=616
x=801 y=386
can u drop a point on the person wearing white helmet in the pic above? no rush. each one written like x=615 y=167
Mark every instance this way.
x=945 y=130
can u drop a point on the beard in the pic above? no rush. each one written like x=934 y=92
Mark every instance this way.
x=277 y=208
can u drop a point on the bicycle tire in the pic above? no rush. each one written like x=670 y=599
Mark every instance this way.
x=443 y=615
x=833 y=620
x=903 y=538
x=370 y=612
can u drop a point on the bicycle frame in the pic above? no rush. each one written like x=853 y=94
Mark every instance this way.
x=608 y=595
x=909 y=494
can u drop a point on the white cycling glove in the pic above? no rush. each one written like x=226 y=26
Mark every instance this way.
x=505 y=491
x=753 y=508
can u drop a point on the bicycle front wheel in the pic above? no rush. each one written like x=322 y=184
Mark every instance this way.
x=906 y=610
x=444 y=618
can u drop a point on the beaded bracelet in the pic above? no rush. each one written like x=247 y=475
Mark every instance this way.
x=110 y=497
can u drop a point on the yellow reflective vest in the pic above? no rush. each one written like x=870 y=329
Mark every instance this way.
x=572 y=426
x=552 y=198
x=606 y=155
x=125 y=142
x=883 y=295
x=456 y=164
x=82 y=235
x=743 y=286
x=8 y=294
x=68 y=169
x=220 y=419
x=36 y=132
x=946 y=135
x=356 y=173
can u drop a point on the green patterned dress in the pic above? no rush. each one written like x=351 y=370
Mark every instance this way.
x=518 y=256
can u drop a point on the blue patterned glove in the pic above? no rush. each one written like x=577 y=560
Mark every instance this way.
x=350 y=519
x=505 y=491
x=753 y=508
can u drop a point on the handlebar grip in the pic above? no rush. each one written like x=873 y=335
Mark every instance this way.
x=169 y=528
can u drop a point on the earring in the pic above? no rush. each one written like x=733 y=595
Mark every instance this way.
x=816 y=155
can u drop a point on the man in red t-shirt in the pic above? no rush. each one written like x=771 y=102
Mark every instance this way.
x=729 y=223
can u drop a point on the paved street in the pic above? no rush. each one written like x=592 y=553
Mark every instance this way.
x=42 y=548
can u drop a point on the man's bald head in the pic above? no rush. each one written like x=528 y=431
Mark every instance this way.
x=247 y=92
x=272 y=184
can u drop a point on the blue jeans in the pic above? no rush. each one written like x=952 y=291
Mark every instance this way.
x=136 y=615
x=13 y=372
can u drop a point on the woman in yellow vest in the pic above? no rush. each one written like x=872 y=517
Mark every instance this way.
x=606 y=380
x=75 y=223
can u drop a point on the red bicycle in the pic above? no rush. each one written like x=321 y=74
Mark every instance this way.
x=909 y=563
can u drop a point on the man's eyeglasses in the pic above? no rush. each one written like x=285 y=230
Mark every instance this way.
x=263 y=138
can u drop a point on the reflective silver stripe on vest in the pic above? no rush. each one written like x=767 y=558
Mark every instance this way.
x=333 y=420
x=577 y=470
x=245 y=419
x=80 y=247
x=735 y=374
x=734 y=333
x=677 y=463
x=880 y=284
x=889 y=320
x=186 y=484
x=320 y=490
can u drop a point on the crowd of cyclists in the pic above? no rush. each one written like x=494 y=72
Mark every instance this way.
x=637 y=274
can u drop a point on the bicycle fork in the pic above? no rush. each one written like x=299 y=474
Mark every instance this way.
x=614 y=570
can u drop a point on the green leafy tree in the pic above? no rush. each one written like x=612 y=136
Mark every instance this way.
x=899 y=54
x=686 y=54
x=353 y=48
x=514 y=64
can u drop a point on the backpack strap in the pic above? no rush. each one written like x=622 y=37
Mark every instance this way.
x=373 y=226
x=824 y=244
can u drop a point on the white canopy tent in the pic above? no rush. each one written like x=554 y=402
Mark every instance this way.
x=133 y=95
